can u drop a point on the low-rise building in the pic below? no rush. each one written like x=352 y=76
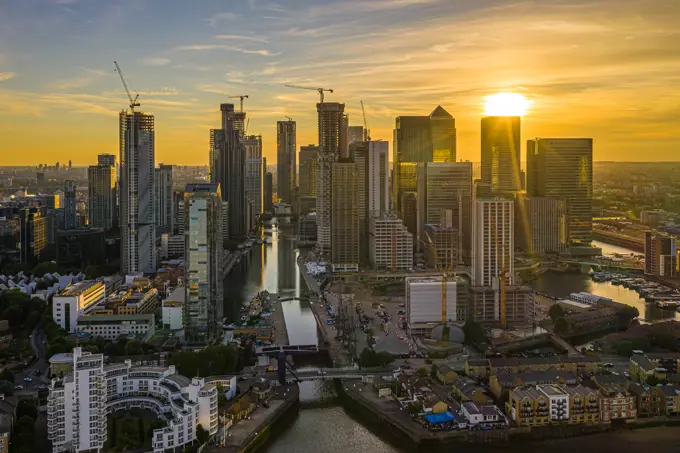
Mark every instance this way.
x=528 y=407
x=670 y=399
x=506 y=381
x=616 y=402
x=129 y=301
x=486 y=415
x=645 y=365
x=446 y=374
x=593 y=320
x=486 y=368
x=584 y=404
x=110 y=327
x=172 y=310
x=465 y=389
x=74 y=301
x=648 y=402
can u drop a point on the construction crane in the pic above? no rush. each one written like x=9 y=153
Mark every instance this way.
x=245 y=130
x=133 y=101
x=241 y=97
x=367 y=132
x=289 y=118
x=319 y=90
x=444 y=271
x=502 y=273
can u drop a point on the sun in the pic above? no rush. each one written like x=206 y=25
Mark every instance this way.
x=506 y=104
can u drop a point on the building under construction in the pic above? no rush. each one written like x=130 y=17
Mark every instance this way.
x=486 y=305
x=390 y=243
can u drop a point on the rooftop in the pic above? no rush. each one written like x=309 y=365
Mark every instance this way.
x=552 y=390
x=79 y=288
x=147 y=317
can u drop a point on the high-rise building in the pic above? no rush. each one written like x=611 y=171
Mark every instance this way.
x=106 y=159
x=203 y=306
x=332 y=124
x=33 y=234
x=254 y=182
x=487 y=309
x=493 y=242
x=660 y=254
x=441 y=246
x=345 y=217
x=308 y=157
x=389 y=242
x=501 y=154
x=355 y=134
x=563 y=168
x=101 y=184
x=70 y=211
x=136 y=192
x=424 y=302
x=227 y=166
x=269 y=192
x=164 y=206
x=286 y=165
x=445 y=186
x=420 y=139
x=541 y=225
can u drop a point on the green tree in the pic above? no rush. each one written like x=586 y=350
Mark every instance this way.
x=15 y=315
x=202 y=435
x=627 y=314
x=134 y=347
x=414 y=409
x=624 y=348
x=27 y=408
x=368 y=358
x=561 y=326
x=384 y=358
x=7 y=375
x=474 y=333
x=6 y=387
x=47 y=267
x=555 y=312
x=422 y=372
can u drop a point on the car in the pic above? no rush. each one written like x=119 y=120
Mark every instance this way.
x=42 y=387
x=608 y=365
x=18 y=387
x=28 y=379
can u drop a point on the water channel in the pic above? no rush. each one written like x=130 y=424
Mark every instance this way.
x=331 y=430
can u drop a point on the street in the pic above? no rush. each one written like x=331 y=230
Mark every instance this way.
x=37 y=369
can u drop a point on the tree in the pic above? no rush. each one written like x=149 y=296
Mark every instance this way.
x=7 y=375
x=624 y=348
x=15 y=315
x=555 y=312
x=27 y=408
x=6 y=387
x=202 y=435
x=368 y=358
x=414 y=409
x=433 y=370
x=474 y=333
x=422 y=372
x=627 y=314
x=561 y=326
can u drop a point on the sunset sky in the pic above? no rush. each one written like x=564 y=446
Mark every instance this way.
x=606 y=69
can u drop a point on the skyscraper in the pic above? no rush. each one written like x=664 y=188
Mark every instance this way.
x=227 y=166
x=101 y=184
x=254 y=182
x=493 y=244
x=106 y=159
x=203 y=306
x=137 y=204
x=164 y=203
x=286 y=165
x=660 y=254
x=308 y=157
x=390 y=245
x=541 y=225
x=268 y=192
x=332 y=124
x=70 y=212
x=345 y=217
x=563 y=168
x=355 y=134
x=501 y=154
x=420 y=139
x=33 y=233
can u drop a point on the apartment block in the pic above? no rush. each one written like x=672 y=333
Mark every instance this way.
x=390 y=243
x=345 y=217
x=76 y=300
x=660 y=254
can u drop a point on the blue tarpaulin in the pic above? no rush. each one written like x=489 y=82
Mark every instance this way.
x=444 y=417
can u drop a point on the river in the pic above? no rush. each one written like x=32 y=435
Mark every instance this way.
x=331 y=430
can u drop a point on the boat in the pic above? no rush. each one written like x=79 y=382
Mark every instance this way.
x=668 y=304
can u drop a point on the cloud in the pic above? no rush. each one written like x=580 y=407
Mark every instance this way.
x=6 y=76
x=242 y=38
x=216 y=88
x=218 y=19
x=72 y=83
x=165 y=91
x=204 y=47
x=65 y=2
x=154 y=61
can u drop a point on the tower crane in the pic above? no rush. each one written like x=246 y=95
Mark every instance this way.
x=319 y=90
x=241 y=97
x=445 y=271
x=245 y=131
x=502 y=273
x=133 y=101
x=367 y=132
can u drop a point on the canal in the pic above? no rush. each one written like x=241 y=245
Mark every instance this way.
x=273 y=267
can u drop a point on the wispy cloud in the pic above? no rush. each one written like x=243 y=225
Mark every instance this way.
x=6 y=76
x=154 y=61
x=220 y=18
x=205 y=47
x=72 y=83
x=242 y=38
x=165 y=91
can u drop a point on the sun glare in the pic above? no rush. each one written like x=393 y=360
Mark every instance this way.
x=506 y=104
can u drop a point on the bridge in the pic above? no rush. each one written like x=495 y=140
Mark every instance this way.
x=276 y=350
x=286 y=299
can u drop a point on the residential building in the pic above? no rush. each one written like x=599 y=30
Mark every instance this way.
x=332 y=143
x=173 y=308
x=465 y=389
x=33 y=234
x=584 y=404
x=644 y=365
x=128 y=301
x=78 y=404
x=541 y=225
x=74 y=301
x=486 y=304
x=648 y=402
x=165 y=214
x=506 y=381
x=308 y=162
x=424 y=297
x=345 y=217
x=136 y=193
x=390 y=244
x=660 y=254
x=70 y=210
x=203 y=306
x=101 y=207
x=445 y=374
x=487 y=415
x=501 y=154
x=254 y=181
x=268 y=192
x=563 y=168
x=307 y=229
x=493 y=242
x=441 y=246
x=485 y=368
x=286 y=165
x=111 y=327
x=307 y=205
x=670 y=399
x=558 y=402
x=616 y=402
x=528 y=407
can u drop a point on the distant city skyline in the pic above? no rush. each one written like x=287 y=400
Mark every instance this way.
x=566 y=57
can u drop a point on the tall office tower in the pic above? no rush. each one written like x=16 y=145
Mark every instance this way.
x=660 y=254
x=563 y=168
x=106 y=159
x=445 y=186
x=541 y=225
x=70 y=211
x=101 y=184
x=286 y=165
x=203 y=310
x=308 y=157
x=501 y=154
x=33 y=234
x=227 y=166
x=345 y=217
x=69 y=164
x=493 y=242
x=136 y=193
x=420 y=139
x=332 y=142
x=254 y=182
x=355 y=134
x=389 y=242
x=164 y=206
x=269 y=192
x=441 y=251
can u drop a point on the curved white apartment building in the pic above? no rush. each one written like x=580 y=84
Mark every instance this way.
x=79 y=403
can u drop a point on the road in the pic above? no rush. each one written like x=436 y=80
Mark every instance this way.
x=37 y=370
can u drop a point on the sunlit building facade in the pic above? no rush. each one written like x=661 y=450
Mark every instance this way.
x=541 y=225
x=286 y=165
x=501 y=154
x=101 y=201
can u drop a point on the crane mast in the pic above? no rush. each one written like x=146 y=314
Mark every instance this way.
x=241 y=97
x=367 y=132
x=318 y=90
x=133 y=101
